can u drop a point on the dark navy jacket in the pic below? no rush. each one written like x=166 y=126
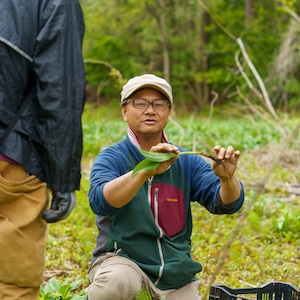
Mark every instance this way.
x=41 y=47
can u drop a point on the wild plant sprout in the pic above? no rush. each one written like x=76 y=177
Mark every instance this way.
x=153 y=159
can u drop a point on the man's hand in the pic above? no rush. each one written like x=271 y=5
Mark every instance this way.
x=229 y=159
x=164 y=148
x=62 y=205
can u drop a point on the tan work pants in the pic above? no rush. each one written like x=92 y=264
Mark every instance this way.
x=23 y=233
x=114 y=277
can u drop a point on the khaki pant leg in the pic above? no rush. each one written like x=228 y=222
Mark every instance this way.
x=23 y=232
x=114 y=277
x=189 y=291
x=13 y=292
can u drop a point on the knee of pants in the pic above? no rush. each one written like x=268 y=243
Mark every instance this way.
x=116 y=284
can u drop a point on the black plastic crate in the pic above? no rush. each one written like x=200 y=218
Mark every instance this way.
x=269 y=291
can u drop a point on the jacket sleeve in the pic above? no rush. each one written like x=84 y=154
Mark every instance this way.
x=60 y=77
x=109 y=164
x=205 y=187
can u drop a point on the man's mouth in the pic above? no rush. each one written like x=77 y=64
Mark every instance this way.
x=150 y=121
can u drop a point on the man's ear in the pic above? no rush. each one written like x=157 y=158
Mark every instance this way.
x=124 y=113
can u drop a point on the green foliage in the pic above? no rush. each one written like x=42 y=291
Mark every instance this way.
x=266 y=248
x=55 y=290
x=200 y=48
x=282 y=217
x=144 y=294
x=103 y=126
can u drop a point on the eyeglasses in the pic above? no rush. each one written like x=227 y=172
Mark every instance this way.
x=157 y=104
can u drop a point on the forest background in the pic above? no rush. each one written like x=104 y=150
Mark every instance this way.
x=234 y=67
x=196 y=46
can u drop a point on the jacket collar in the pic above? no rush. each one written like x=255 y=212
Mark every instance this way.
x=133 y=139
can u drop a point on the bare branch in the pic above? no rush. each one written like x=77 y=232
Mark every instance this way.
x=212 y=104
x=261 y=85
x=292 y=13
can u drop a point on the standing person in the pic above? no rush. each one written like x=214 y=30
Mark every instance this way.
x=145 y=222
x=42 y=83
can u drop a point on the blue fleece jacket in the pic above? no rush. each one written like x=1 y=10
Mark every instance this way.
x=154 y=228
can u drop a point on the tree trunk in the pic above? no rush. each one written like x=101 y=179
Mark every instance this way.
x=158 y=10
x=249 y=12
x=164 y=39
x=202 y=88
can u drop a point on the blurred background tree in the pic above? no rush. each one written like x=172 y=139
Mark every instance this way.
x=193 y=44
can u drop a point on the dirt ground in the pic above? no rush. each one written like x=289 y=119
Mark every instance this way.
x=281 y=165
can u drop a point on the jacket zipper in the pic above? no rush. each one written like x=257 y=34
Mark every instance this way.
x=158 y=240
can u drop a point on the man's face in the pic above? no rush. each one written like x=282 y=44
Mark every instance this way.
x=148 y=120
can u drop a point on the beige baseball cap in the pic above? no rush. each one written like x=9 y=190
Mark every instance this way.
x=146 y=80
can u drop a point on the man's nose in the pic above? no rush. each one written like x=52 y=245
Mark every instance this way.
x=150 y=106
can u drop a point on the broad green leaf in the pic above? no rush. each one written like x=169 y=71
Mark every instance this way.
x=144 y=165
x=158 y=156
x=53 y=285
x=65 y=290
x=74 y=285
x=152 y=160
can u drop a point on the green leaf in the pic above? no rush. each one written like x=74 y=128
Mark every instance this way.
x=65 y=290
x=79 y=297
x=144 y=165
x=53 y=285
x=153 y=159
x=158 y=156
x=74 y=285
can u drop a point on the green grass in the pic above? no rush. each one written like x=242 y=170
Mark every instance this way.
x=266 y=247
